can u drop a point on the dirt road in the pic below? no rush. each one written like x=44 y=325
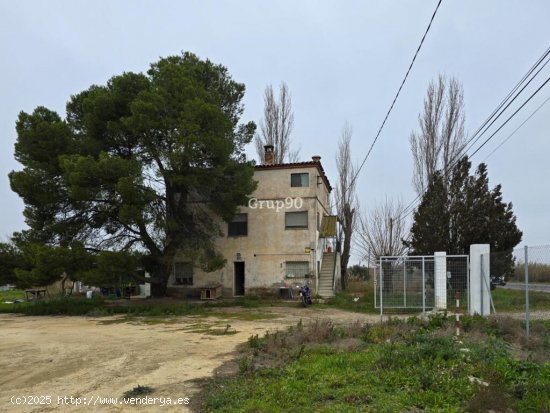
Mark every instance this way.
x=47 y=360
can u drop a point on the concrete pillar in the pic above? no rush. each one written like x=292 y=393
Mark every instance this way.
x=440 y=280
x=480 y=281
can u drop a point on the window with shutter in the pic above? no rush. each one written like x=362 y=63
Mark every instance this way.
x=296 y=220
x=183 y=272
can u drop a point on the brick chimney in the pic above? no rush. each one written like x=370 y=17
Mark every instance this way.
x=268 y=155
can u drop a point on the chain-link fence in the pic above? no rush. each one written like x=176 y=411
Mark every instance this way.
x=458 y=281
x=405 y=282
x=515 y=281
x=538 y=264
x=421 y=282
x=520 y=281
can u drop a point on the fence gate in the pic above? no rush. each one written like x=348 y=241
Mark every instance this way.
x=422 y=282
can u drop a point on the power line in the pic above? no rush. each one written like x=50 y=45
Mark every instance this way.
x=510 y=117
x=518 y=128
x=396 y=95
x=507 y=105
x=410 y=208
x=483 y=128
x=516 y=87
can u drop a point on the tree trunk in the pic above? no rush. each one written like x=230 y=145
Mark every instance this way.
x=387 y=275
x=344 y=259
x=160 y=270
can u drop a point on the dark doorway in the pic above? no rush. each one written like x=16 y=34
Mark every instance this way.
x=239 y=277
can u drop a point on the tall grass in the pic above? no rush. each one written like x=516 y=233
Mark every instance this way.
x=358 y=297
x=79 y=306
x=397 y=366
x=514 y=300
x=539 y=273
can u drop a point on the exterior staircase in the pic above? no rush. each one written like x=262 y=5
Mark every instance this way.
x=325 y=277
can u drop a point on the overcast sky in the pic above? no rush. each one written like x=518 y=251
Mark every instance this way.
x=342 y=60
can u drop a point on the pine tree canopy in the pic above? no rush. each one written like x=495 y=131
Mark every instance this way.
x=143 y=163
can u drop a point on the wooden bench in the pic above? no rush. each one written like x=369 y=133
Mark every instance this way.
x=35 y=293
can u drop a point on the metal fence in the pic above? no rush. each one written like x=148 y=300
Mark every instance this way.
x=532 y=264
x=458 y=280
x=525 y=269
x=411 y=282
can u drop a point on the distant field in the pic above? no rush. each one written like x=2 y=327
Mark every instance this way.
x=538 y=273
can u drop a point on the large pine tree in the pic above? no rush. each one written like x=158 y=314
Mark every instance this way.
x=142 y=163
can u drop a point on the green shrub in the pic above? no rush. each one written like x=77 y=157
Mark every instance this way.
x=138 y=391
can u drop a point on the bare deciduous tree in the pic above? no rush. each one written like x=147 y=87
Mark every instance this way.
x=346 y=201
x=381 y=231
x=441 y=137
x=276 y=126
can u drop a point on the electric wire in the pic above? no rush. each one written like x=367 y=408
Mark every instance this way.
x=411 y=206
x=504 y=109
x=518 y=128
x=478 y=134
x=510 y=117
x=396 y=96
x=516 y=87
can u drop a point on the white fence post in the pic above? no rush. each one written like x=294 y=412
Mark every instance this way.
x=527 y=291
x=480 y=280
x=440 y=280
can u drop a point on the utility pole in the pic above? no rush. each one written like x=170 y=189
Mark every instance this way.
x=391 y=237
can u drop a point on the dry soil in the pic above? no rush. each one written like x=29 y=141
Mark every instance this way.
x=91 y=359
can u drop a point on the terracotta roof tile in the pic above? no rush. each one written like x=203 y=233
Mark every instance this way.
x=295 y=165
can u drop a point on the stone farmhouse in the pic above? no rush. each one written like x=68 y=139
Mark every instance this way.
x=284 y=237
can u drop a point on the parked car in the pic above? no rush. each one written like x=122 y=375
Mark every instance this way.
x=497 y=280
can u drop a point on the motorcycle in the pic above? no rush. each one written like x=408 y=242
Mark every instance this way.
x=305 y=295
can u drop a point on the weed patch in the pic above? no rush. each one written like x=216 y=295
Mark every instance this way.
x=412 y=365
x=138 y=391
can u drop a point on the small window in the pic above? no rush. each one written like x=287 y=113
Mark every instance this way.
x=301 y=179
x=297 y=269
x=239 y=226
x=296 y=219
x=183 y=273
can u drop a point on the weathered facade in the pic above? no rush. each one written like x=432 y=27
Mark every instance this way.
x=275 y=240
